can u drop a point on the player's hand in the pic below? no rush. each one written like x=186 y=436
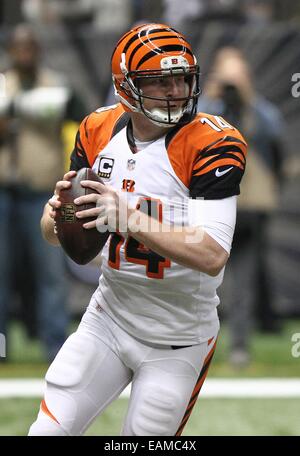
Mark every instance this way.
x=53 y=202
x=107 y=205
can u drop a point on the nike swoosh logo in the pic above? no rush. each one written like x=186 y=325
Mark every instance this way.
x=221 y=173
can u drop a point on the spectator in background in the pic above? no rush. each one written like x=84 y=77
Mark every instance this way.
x=31 y=156
x=105 y=15
x=229 y=91
x=48 y=11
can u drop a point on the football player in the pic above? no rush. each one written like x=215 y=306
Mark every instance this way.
x=171 y=183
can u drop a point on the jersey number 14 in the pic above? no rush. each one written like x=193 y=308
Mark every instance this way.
x=138 y=253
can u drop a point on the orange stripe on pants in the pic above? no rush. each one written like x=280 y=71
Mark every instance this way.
x=45 y=409
x=197 y=389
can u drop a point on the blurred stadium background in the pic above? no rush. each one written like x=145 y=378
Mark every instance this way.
x=76 y=44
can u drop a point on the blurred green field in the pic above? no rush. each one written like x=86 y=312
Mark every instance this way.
x=271 y=357
x=211 y=417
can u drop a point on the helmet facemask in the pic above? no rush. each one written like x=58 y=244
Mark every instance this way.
x=164 y=115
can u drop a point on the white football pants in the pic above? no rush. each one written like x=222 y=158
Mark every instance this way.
x=99 y=360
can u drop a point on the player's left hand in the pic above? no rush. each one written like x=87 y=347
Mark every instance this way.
x=107 y=205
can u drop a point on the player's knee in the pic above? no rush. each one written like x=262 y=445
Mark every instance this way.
x=157 y=414
x=74 y=363
x=44 y=426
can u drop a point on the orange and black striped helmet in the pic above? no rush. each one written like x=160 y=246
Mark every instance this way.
x=155 y=51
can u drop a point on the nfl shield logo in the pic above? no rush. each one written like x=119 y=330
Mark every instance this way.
x=131 y=164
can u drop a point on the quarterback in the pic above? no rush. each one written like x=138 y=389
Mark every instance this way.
x=175 y=174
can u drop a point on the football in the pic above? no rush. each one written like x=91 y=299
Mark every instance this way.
x=80 y=244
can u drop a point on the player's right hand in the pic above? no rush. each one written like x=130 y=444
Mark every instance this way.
x=54 y=202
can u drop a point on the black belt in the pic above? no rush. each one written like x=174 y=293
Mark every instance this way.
x=175 y=347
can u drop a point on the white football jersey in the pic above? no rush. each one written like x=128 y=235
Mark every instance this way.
x=151 y=297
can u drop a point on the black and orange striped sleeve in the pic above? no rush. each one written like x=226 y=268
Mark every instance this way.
x=219 y=168
x=95 y=132
x=78 y=158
